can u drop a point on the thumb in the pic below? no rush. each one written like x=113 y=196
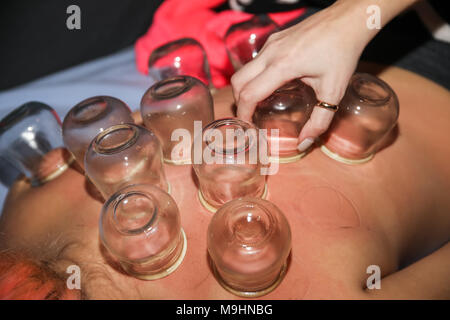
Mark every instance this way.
x=317 y=124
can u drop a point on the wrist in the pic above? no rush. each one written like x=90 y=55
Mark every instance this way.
x=355 y=21
x=388 y=9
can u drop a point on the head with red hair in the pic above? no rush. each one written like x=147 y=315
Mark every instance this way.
x=21 y=278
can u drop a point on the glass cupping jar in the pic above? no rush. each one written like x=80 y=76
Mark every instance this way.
x=31 y=141
x=140 y=226
x=229 y=159
x=286 y=110
x=249 y=241
x=367 y=114
x=245 y=39
x=90 y=117
x=184 y=56
x=125 y=154
x=171 y=108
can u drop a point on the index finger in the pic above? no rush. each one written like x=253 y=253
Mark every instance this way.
x=257 y=90
x=247 y=73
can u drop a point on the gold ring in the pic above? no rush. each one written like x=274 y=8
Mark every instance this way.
x=328 y=106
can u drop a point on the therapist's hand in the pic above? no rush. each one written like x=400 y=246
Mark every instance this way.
x=323 y=50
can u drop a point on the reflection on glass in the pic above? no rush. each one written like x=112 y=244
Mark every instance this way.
x=180 y=57
x=170 y=107
x=244 y=40
x=124 y=154
x=90 y=117
x=31 y=141
x=249 y=241
x=140 y=226
x=287 y=109
x=227 y=159
x=367 y=113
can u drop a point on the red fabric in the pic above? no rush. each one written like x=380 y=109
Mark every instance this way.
x=196 y=19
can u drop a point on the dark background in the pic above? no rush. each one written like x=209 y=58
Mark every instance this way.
x=35 y=41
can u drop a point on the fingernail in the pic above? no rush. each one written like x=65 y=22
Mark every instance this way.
x=305 y=144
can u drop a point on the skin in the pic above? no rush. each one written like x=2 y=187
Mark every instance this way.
x=323 y=50
x=390 y=212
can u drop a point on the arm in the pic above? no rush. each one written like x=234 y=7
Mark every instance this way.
x=427 y=278
x=323 y=50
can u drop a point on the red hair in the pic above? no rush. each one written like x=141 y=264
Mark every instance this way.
x=23 y=279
